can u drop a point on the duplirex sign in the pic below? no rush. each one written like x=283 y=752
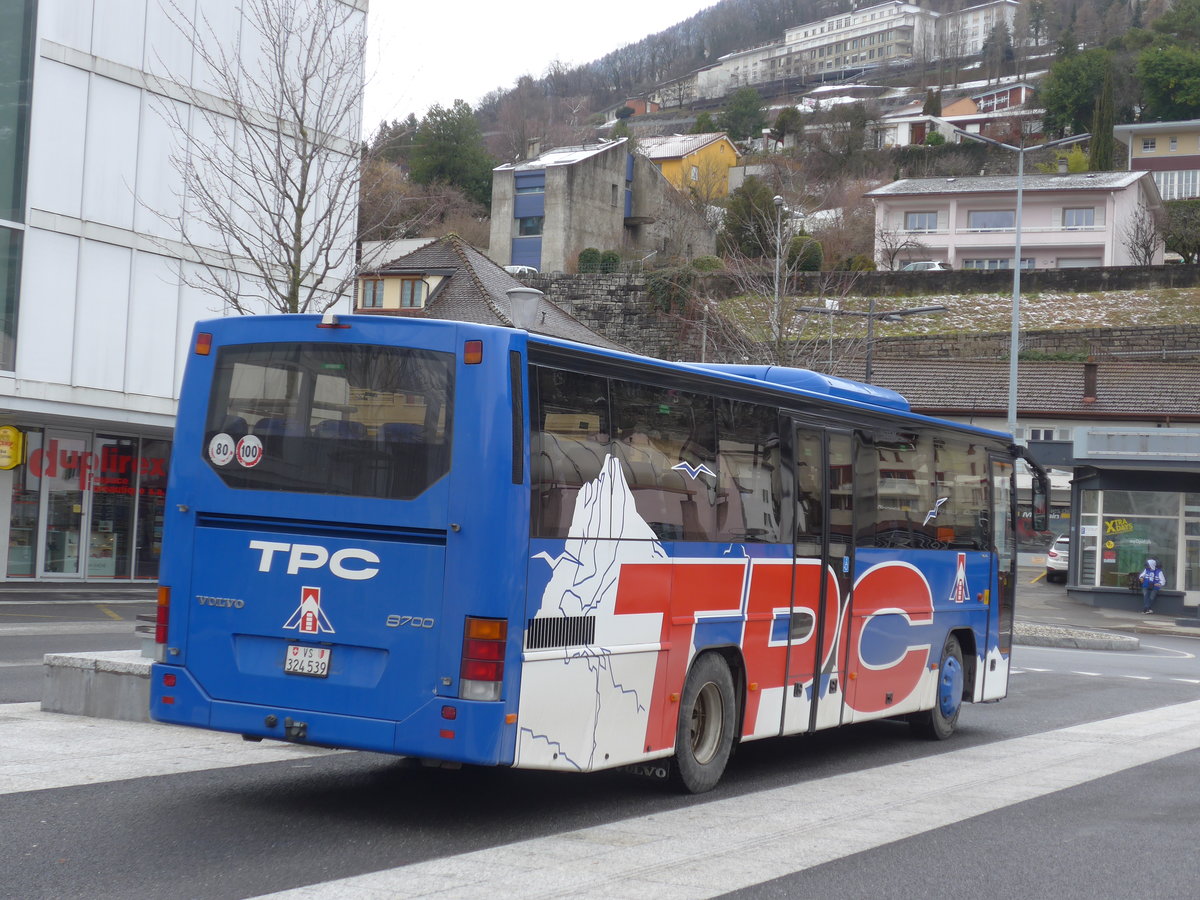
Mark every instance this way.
x=110 y=471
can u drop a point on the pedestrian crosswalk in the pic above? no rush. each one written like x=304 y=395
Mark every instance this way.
x=702 y=849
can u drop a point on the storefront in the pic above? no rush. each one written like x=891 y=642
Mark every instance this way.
x=83 y=505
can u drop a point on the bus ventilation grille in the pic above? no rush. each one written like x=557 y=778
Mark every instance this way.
x=560 y=631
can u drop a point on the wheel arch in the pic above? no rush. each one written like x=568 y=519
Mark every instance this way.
x=969 y=646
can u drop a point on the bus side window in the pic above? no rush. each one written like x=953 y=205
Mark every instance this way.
x=961 y=493
x=894 y=481
x=751 y=485
x=569 y=443
x=667 y=446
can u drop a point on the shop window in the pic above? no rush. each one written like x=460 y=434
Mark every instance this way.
x=23 y=525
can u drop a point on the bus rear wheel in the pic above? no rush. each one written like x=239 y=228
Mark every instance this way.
x=938 y=723
x=707 y=719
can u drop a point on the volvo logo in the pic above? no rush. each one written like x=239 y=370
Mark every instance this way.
x=226 y=602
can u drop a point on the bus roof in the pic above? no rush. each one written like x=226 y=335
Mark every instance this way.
x=803 y=382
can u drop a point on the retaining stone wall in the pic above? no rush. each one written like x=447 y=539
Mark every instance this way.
x=617 y=306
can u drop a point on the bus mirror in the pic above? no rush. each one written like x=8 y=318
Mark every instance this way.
x=1041 y=500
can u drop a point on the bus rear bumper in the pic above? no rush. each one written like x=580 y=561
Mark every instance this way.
x=475 y=735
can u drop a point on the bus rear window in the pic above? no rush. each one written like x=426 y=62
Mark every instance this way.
x=350 y=419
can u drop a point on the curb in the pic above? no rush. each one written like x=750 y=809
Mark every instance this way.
x=1037 y=635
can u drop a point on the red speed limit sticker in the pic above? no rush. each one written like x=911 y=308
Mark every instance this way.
x=249 y=451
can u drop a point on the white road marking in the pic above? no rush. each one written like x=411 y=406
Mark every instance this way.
x=1089 y=674
x=46 y=629
x=727 y=844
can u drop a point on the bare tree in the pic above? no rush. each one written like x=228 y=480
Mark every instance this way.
x=890 y=243
x=269 y=157
x=1142 y=237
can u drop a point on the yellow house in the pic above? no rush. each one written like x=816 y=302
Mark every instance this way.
x=698 y=163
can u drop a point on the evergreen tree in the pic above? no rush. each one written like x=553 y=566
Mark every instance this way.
x=1100 y=154
x=448 y=149
x=743 y=117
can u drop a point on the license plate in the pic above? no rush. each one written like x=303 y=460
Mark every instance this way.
x=312 y=661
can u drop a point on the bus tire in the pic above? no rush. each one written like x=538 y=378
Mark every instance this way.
x=938 y=723
x=707 y=720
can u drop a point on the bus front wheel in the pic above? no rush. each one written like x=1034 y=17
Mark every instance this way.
x=707 y=719
x=938 y=723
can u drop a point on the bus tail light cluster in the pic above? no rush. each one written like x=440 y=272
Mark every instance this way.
x=482 y=672
x=162 y=615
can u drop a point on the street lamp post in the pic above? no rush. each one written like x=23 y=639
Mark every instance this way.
x=890 y=315
x=776 y=312
x=1015 y=337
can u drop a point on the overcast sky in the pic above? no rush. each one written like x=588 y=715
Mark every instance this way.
x=422 y=53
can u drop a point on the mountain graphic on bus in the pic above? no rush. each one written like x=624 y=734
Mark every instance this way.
x=309 y=618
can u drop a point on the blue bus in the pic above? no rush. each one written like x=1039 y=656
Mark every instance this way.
x=472 y=544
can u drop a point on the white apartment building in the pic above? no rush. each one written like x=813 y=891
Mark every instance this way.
x=95 y=313
x=894 y=32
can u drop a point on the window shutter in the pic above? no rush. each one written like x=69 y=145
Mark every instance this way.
x=1099 y=216
x=1056 y=218
x=943 y=220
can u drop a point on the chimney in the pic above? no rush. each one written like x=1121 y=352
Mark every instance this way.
x=533 y=147
x=1089 y=379
x=1063 y=165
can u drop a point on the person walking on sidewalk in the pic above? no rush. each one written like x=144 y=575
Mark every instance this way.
x=1151 y=578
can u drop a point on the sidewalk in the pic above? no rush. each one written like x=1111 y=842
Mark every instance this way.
x=1046 y=616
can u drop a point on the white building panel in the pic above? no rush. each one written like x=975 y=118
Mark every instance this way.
x=153 y=321
x=221 y=27
x=194 y=305
x=110 y=167
x=168 y=51
x=66 y=22
x=159 y=184
x=46 y=320
x=118 y=29
x=57 y=138
x=101 y=316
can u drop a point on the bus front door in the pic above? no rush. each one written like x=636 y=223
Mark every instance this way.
x=822 y=541
x=1000 y=614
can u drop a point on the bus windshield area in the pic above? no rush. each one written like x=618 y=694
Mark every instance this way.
x=324 y=418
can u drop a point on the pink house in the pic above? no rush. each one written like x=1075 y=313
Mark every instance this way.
x=1067 y=221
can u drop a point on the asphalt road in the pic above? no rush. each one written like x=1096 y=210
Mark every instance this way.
x=131 y=825
x=253 y=829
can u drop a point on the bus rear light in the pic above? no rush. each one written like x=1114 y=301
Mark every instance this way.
x=473 y=353
x=476 y=649
x=203 y=344
x=449 y=712
x=482 y=672
x=487 y=629
x=162 y=615
x=169 y=680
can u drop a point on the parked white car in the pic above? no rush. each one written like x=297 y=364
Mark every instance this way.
x=520 y=270
x=925 y=265
x=1056 y=559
